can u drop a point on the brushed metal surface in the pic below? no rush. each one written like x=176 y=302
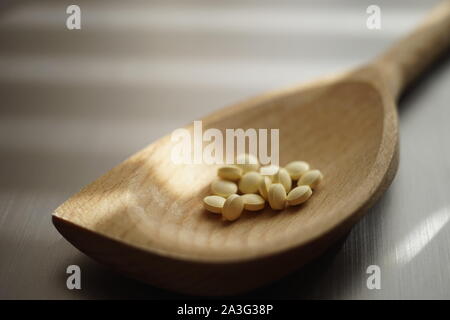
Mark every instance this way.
x=76 y=103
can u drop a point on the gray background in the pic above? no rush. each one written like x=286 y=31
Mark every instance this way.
x=76 y=103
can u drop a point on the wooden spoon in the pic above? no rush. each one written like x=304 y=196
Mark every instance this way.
x=145 y=217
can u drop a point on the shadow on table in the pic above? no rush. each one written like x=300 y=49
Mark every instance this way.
x=422 y=83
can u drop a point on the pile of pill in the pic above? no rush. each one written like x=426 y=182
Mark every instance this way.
x=255 y=189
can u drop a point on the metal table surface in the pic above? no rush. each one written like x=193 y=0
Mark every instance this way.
x=76 y=103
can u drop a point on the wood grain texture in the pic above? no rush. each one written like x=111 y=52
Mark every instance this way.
x=145 y=216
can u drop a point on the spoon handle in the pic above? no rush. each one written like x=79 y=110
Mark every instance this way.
x=410 y=56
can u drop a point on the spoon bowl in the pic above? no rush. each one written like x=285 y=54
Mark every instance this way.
x=145 y=217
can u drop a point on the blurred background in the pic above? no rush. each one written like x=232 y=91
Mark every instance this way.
x=74 y=103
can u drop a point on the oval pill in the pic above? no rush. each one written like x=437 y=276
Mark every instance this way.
x=277 y=196
x=298 y=195
x=253 y=202
x=296 y=169
x=284 y=178
x=247 y=162
x=250 y=182
x=223 y=188
x=229 y=172
x=269 y=171
x=311 y=178
x=233 y=207
x=214 y=203
x=264 y=187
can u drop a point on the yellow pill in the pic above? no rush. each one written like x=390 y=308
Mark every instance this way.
x=223 y=188
x=298 y=195
x=214 y=203
x=247 y=162
x=250 y=182
x=264 y=187
x=277 y=196
x=284 y=178
x=296 y=169
x=253 y=202
x=269 y=171
x=233 y=207
x=230 y=172
x=311 y=178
